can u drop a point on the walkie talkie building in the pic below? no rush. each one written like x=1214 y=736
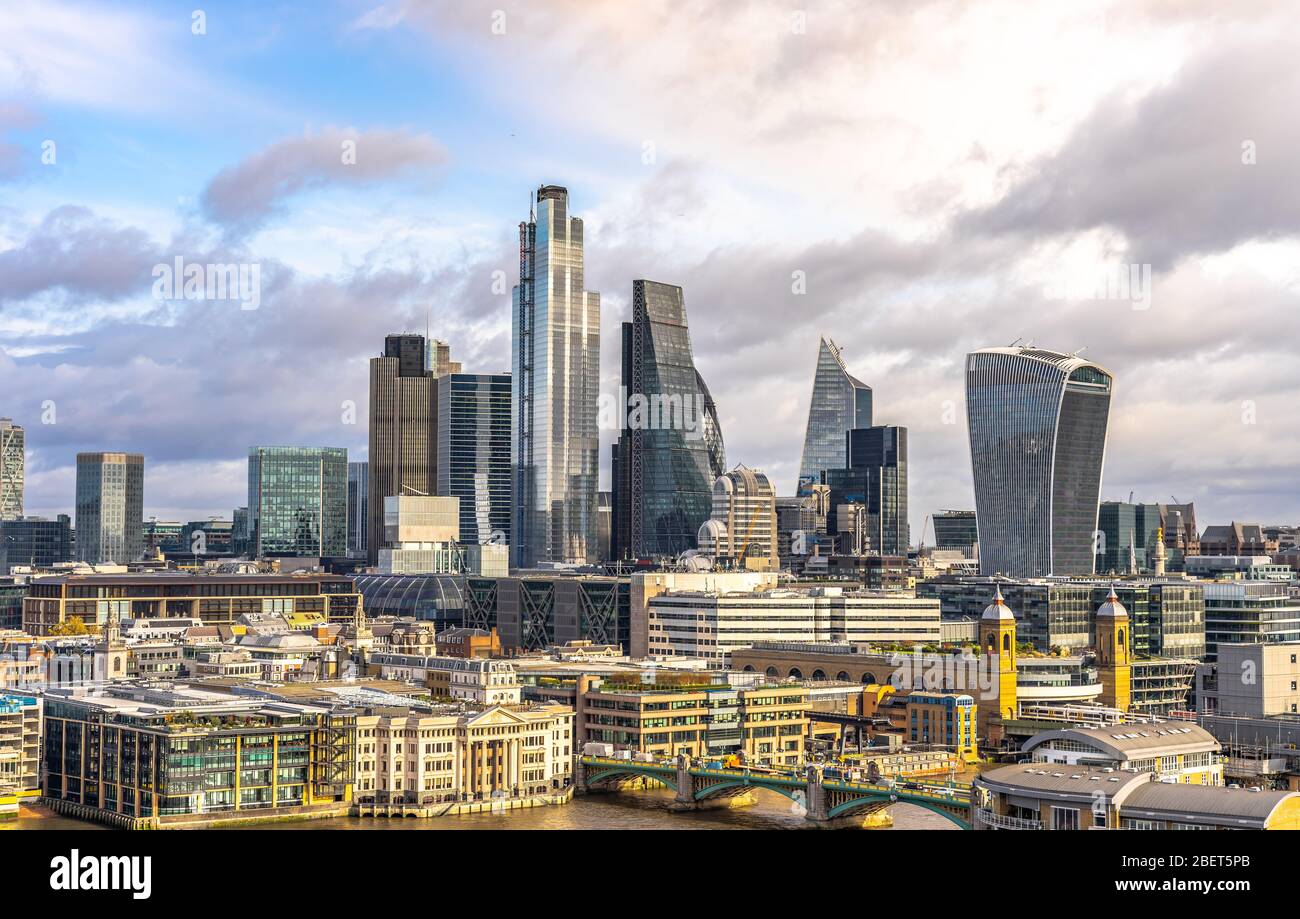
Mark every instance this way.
x=1037 y=424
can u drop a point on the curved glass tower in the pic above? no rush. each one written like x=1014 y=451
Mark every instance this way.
x=1037 y=423
x=670 y=450
x=840 y=402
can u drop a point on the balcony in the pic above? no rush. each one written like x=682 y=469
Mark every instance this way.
x=1000 y=822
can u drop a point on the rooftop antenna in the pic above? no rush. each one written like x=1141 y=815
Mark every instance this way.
x=1019 y=338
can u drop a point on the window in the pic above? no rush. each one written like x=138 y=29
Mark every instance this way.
x=1065 y=818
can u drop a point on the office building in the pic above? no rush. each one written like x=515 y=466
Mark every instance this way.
x=34 y=542
x=20 y=751
x=741 y=531
x=1129 y=533
x=1037 y=423
x=555 y=362
x=474 y=453
x=669 y=450
x=711 y=624
x=420 y=536
x=536 y=611
x=1182 y=538
x=110 y=508
x=438 y=358
x=1249 y=612
x=875 y=477
x=13 y=465
x=241 y=542
x=298 y=501
x=1237 y=539
x=685 y=713
x=840 y=402
x=956 y=530
x=802 y=527
x=403 y=456
x=138 y=755
x=216 y=599
x=1252 y=681
x=162 y=537
x=1168 y=617
x=358 y=508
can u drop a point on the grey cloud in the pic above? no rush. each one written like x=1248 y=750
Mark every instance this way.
x=1166 y=170
x=242 y=196
x=74 y=251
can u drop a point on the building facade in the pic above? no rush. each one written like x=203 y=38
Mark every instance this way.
x=741 y=531
x=956 y=530
x=474 y=425
x=298 y=501
x=403 y=455
x=100 y=599
x=1248 y=612
x=875 y=478
x=358 y=508
x=110 y=508
x=13 y=466
x=35 y=542
x=839 y=403
x=669 y=450
x=138 y=755
x=555 y=362
x=1037 y=422
x=1128 y=536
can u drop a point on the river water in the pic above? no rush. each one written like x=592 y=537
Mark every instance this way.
x=628 y=810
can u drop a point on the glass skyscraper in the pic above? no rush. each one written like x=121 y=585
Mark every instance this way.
x=1037 y=423
x=474 y=452
x=35 y=542
x=298 y=501
x=13 y=464
x=840 y=402
x=875 y=476
x=669 y=451
x=110 y=508
x=555 y=356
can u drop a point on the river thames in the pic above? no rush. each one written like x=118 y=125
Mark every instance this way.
x=631 y=810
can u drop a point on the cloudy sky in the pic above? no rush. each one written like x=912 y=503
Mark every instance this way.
x=942 y=176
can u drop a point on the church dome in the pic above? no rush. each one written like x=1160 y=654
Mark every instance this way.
x=1112 y=608
x=998 y=609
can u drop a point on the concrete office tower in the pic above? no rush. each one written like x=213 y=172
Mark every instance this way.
x=110 y=508
x=438 y=358
x=1037 y=423
x=555 y=356
x=13 y=464
x=298 y=501
x=741 y=532
x=358 y=508
x=669 y=450
x=474 y=453
x=403 y=457
x=840 y=402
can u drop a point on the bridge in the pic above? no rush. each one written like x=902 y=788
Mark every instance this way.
x=821 y=799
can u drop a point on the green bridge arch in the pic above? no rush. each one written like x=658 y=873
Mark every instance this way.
x=847 y=807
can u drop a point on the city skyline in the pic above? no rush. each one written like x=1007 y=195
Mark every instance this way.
x=886 y=270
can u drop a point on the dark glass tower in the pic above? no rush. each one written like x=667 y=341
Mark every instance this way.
x=403 y=457
x=1037 y=424
x=474 y=452
x=358 y=508
x=875 y=477
x=670 y=449
x=840 y=402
